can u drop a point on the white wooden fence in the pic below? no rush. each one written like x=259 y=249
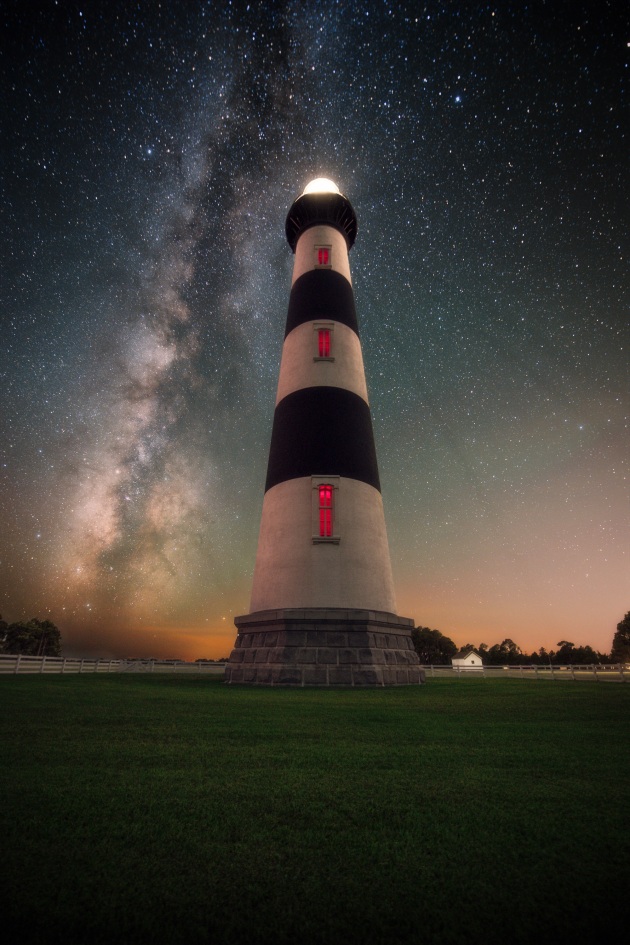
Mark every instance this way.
x=49 y=665
x=572 y=673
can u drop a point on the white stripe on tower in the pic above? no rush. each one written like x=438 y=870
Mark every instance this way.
x=335 y=554
x=322 y=236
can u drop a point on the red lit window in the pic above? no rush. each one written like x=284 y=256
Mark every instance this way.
x=325 y=511
x=323 y=336
x=322 y=254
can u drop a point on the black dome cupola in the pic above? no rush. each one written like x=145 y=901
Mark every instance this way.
x=321 y=204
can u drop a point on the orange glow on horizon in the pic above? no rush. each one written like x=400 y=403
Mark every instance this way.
x=211 y=640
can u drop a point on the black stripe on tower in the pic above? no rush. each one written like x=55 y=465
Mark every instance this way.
x=321 y=293
x=322 y=431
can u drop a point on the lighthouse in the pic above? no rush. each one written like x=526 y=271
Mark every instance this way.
x=323 y=607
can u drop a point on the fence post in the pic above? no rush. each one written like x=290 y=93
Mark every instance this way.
x=42 y=664
x=572 y=673
x=81 y=666
x=536 y=671
x=63 y=667
x=17 y=664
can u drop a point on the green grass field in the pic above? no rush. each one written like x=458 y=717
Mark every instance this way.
x=176 y=809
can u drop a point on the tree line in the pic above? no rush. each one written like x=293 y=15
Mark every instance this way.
x=437 y=649
x=42 y=638
x=30 y=638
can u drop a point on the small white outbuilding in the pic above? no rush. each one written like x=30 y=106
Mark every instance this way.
x=468 y=660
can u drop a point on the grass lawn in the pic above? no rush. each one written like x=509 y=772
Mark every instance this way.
x=175 y=809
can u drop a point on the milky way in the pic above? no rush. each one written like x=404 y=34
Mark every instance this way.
x=150 y=156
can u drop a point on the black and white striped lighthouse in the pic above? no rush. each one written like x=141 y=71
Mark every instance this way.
x=323 y=608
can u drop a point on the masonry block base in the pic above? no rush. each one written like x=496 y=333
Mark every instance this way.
x=324 y=648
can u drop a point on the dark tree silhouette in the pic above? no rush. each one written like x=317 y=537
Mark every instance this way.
x=576 y=655
x=33 y=638
x=505 y=653
x=620 y=652
x=565 y=652
x=432 y=646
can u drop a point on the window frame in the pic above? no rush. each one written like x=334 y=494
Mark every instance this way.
x=326 y=506
x=317 y=483
x=323 y=326
x=319 y=248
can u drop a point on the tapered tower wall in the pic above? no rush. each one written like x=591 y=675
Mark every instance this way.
x=325 y=433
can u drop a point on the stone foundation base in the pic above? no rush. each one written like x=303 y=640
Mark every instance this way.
x=324 y=648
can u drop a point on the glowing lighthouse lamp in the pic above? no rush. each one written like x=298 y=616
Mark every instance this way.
x=323 y=609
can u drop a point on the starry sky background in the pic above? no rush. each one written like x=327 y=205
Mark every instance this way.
x=150 y=153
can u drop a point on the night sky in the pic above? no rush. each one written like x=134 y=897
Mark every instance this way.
x=150 y=153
